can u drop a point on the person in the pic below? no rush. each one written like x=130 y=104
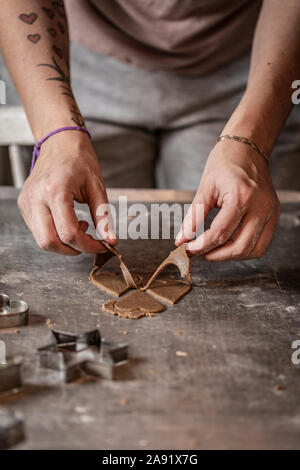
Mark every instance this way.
x=158 y=82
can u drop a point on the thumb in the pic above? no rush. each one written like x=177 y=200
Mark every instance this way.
x=101 y=211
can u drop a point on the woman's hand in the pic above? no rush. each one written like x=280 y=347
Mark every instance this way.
x=237 y=180
x=66 y=171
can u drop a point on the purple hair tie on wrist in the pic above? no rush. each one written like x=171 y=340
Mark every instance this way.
x=37 y=147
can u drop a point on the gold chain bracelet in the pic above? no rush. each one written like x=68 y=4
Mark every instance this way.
x=244 y=140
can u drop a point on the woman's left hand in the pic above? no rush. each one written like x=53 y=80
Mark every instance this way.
x=237 y=180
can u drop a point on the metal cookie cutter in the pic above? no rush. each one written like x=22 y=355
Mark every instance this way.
x=63 y=355
x=78 y=342
x=52 y=357
x=10 y=374
x=11 y=428
x=12 y=312
x=71 y=353
x=108 y=362
x=95 y=355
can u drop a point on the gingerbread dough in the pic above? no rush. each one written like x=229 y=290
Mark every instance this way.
x=135 y=305
x=112 y=283
x=169 y=290
x=126 y=273
x=178 y=257
x=139 y=303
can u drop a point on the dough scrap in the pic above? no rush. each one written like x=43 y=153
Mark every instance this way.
x=100 y=280
x=169 y=290
x=179 y=258
x=135 y=305
x=112 y=282
x=126 y=273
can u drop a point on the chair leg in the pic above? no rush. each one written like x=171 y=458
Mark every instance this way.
x=17 y=165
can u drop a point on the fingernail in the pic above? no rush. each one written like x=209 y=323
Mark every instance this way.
x=178 y=237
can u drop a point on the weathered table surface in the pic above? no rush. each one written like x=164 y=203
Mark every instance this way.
x=236 y=388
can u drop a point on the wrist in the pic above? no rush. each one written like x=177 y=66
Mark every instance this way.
x=256 y=120
x=244 y=123
x=55 y=112
x=66 y=142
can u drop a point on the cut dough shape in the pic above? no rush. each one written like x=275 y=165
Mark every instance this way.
x=179 y=258
x=169 y=290
x=109 y=307
x=135 y=305
x=112 y=283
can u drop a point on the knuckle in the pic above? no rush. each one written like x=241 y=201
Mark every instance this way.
x=30 y=196
x=20 y=201
x=24 y=197
x=68 y=237
x=52 y=187
x=247 y=191
x=46 y=244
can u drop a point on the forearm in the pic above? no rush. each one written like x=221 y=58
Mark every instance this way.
x=35 y=44
x=275 y=64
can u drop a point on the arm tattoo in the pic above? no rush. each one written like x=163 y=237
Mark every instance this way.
x=58 y=51
x=50 y=13
x=61 y=76
x=61 y=27
x=59 y=8
x=77 y=118
x=34 y=38
x=64 y=77
x=52 y=32
x=29 y=19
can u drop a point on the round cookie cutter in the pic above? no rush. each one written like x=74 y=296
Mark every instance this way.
x=4 y=303
x=13 y=312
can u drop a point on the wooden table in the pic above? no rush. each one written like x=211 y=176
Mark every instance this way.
x=235 y=388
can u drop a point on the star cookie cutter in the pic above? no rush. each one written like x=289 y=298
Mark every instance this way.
x=72 y=353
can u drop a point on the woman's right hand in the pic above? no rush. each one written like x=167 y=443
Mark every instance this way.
x=67 y=170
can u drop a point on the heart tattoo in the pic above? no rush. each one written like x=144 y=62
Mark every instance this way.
x=61 y=27
x=52 y=32
x=49 y=12
x=58 y=51
x=59 y=8
x=34 y=38
x=29 y=19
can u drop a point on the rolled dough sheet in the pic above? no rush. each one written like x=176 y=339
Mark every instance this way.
x=112 y=282
x=179 y=258
x=137 y=304
x=169 y=290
